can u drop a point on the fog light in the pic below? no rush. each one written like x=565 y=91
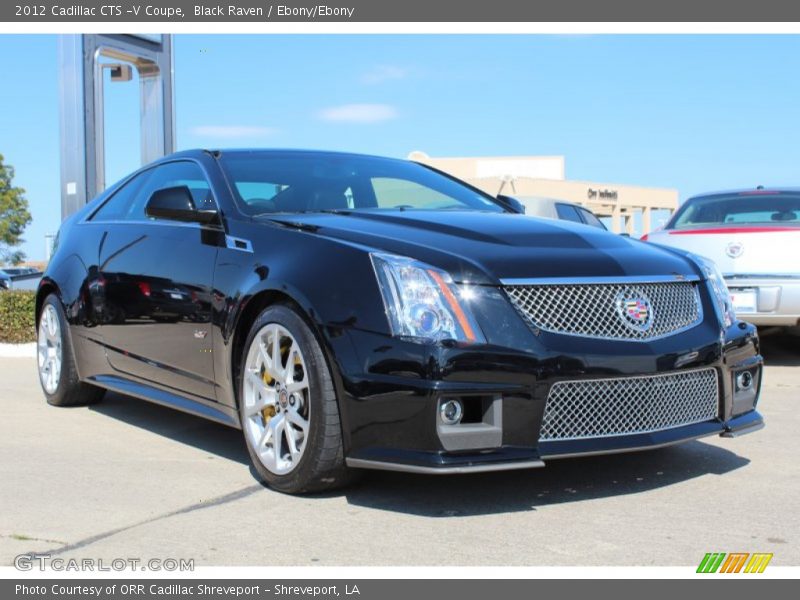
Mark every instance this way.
x=744 y=380
x=451 y=412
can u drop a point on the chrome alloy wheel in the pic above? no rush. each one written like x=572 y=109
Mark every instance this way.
x=276 y=410
x=49 y=349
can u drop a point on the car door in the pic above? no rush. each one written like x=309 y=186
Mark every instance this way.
x=155 y=282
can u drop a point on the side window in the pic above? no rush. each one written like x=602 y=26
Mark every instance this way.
x=590 y=219
x=120 y=203
x=568 y=213
x=128 y=203
x=172 y=175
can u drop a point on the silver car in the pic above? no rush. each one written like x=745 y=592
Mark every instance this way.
x=754 y=238
x=551 y=208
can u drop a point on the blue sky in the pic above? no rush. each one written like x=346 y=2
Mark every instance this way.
x=691 y=112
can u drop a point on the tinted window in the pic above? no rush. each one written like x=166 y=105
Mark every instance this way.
x=129 y=202
x=568 y=213
x=739 y=209
x=172 y=175
x=266 y=182
x=590 y=219
x=253 y=192
x=394 y=193
x=119 y=205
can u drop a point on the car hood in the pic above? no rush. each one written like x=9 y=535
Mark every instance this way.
x=482 y=247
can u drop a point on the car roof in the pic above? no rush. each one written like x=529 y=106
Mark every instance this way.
x=199 y=152
x=756 y=191
x=549 y=200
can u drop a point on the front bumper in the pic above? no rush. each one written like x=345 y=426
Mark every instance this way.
x=507 y=459
x=392 y=392
x=777 y=299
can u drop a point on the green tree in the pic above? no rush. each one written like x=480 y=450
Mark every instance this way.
x=14 y=215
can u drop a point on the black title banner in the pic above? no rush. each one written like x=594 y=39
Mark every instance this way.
x=373 y=589
x=179 y=11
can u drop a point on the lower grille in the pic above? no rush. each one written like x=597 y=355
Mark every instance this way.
x=593 y=408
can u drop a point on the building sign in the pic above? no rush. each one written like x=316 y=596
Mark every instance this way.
x=605 y=194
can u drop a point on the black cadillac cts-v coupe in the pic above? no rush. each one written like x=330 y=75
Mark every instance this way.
x=350 y=312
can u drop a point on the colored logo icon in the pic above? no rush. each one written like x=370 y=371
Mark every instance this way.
x=734 y=562
x=635 y=312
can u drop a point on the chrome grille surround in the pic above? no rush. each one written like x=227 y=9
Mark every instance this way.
x=592 y=408
x=594 y=308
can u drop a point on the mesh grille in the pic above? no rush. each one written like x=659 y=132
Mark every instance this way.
x=604 y=407
x=609 y=310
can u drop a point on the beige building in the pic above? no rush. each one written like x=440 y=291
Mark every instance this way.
x=543 y=177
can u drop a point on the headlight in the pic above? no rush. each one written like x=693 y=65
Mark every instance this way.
x=718 y=289
x=422 y=302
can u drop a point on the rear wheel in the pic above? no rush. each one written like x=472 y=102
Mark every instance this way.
x=288 y=407
x=57 y=371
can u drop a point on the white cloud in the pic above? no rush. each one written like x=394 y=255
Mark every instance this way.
x=358 y=113
x=383 y=73
x=232 y=131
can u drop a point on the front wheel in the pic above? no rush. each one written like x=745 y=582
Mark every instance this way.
x=57 y=371
x=288 y=407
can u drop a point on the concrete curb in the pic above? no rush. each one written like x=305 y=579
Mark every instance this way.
x=18 y=350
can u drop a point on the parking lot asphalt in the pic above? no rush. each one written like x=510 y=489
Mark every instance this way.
x=127 y=479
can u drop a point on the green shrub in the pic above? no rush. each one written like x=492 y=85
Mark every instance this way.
x=17 y=319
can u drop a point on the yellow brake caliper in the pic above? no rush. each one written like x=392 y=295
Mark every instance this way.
x=269 y=411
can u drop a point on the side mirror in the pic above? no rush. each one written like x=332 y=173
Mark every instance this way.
x=511 y=204
x=176 y=204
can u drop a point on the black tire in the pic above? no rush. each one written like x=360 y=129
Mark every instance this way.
x=70 y=391
x=322 y=466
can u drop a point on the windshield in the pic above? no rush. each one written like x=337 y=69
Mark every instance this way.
x=770 y=208
x=280 y=182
